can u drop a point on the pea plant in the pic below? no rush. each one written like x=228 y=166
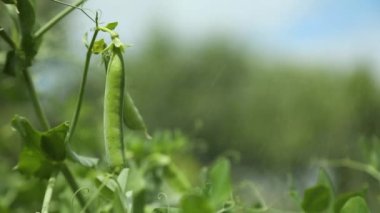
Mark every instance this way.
x=134 y=173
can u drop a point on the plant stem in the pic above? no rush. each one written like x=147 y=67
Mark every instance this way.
x=45 y=123
x=37 y=106
x=6 y=38
x=56 y=19
x=369 y=169
x=73 y=185
x=74 y=121
x=49 y=192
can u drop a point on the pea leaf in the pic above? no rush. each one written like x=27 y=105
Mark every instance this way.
x=136 y=181
x=220 y=182
x=343 y=198
x=176 y=178
x=355 y=204
x=195 y=203
x=109 y=185
x=32 y=161
x=122 y=179
x=27 y=16
x=155 y=160
x=316 y=199
x=85 y=41
x=27 y=19
x=53 y=142
x=99 y=46
x=85 y=161
x=112 y=25
x=120 y=202
x=324 y=179
x=139 y=201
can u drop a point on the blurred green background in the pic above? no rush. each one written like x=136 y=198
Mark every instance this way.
x=273 y=114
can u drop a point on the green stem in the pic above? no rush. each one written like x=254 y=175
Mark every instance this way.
x=348 y=163
x=49 y=193
x=74 y=121
x=111 y=32
x=42 y=118
x=37 y=106
x=56 y=19
x=73 y=185
x=7 y=38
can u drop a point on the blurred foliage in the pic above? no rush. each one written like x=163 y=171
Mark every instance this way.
x=279 y=117
x=275 y=117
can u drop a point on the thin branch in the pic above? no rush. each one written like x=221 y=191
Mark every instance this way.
x=75 y=7
x=56 y=19
x=74 y=121
x=348 y=163
x=37 y=105
x=7 y=38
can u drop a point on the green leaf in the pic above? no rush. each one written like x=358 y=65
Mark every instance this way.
x=99 y=46
x=85 y=41
x=324 y=179
x=136 y=181
x=316 y=199
x=107 y=186
x=195 y=203
x=220 y=182
x=155 y=160
x=27 y=19
x=53 y=142
x=112 y=25
x=355 y=204
x=132 y=117
x=139 y=201
x=27 y=16
x=120 y=202
x=176 y=178
x=29 y=135
x=32 y=161
x=122 y=179
x=85 y=161
x=343 y=198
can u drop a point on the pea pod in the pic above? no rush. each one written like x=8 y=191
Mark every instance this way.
x=113 y=110
x=132 y=117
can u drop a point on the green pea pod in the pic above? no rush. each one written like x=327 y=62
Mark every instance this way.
x=132 y=117
x=113 y=110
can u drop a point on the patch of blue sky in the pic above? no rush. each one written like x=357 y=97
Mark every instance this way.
x=332 y=19
x=345 y=29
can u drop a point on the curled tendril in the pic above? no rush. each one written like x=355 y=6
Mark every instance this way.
x=162 y=196
x=83 y=10
x=85 y=189
x=99 y=14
